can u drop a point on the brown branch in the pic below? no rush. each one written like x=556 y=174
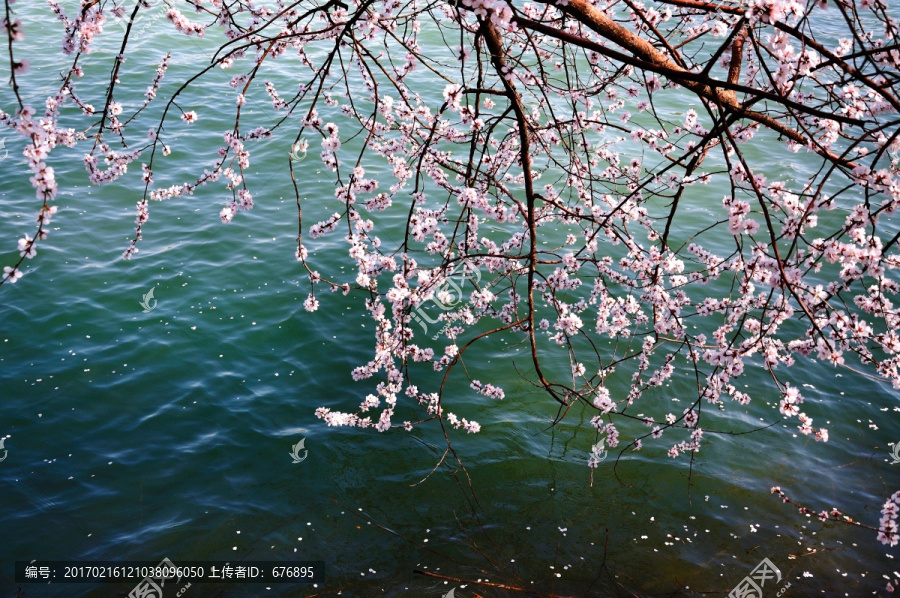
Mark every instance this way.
x=647 y=57
x=495 y=46
x=486 y=583
x=831 y=57
x=737 y=51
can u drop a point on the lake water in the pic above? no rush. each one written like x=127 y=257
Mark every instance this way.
x=140 y=434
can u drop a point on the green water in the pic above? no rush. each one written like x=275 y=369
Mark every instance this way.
x=139 y=436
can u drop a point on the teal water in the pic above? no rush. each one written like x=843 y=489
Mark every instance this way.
x=139 y=436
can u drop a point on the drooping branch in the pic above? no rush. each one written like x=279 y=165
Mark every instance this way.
x=495 y=47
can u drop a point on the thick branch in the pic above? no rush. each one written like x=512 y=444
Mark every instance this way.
x=650 y=58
